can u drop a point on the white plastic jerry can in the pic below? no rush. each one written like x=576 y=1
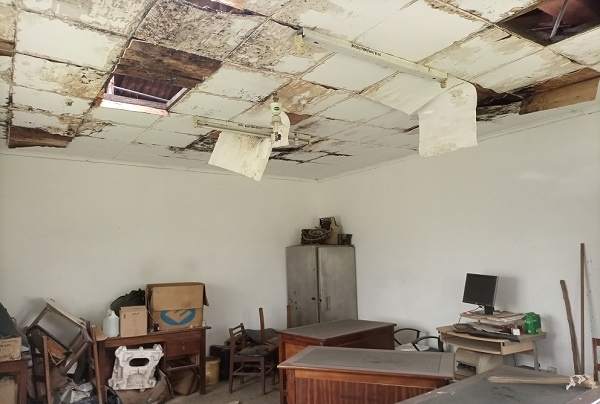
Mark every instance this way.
x=110 y=324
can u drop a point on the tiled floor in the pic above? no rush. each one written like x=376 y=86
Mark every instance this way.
x=248 y=393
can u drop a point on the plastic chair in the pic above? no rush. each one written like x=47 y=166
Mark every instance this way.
x=414 y=343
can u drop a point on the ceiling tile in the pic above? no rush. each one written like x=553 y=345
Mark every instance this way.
x=112 y=15
x=110 y=131
x=139 y=158
x=95 y=148
x=208 y=105
x=278 y=167
x=5 y=66
x=259 y=115
x=356 y=109
x=3 y=115
x=242 y=83
x=51 y=102
x=493 y=10
x=362 y=149
x=7 y=22
x=531 y=69
x=345 y=19
x=159 y=137
x=124 y=117
x=180 y=25
x=303 y=155
x=192 y=155
x=395 y=120
x=185 y=163
x=148 y=150
x=179 y=123
x=67 y=42
x=340 y=71
x=303 y=97
x=272 y=47
x=61 y=125
x=364 y=134
x=322 y=127
x=4 y=93
x=416 y=22
x=483 y=52
x=582 y=48
x=3 y=132
x=42 y=74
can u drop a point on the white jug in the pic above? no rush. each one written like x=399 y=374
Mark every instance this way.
x=110 y=324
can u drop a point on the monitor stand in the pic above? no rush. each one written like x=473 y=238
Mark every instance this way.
x=488 y=310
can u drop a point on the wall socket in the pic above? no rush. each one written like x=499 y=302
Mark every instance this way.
x=552 y=369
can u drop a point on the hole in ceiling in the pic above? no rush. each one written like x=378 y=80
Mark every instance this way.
x=142 y=92
x=555 y=20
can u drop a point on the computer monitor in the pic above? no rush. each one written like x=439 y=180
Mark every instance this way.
x=481 y=290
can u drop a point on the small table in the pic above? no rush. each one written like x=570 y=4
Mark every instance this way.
x=331 y=375
x=496 y=346
x=19 y=369
x=477 y=389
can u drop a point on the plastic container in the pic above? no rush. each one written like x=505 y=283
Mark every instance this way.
x=212 y=370
x=110 y=324
x=533 y=323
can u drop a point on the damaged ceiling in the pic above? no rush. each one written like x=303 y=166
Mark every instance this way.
x=122 y=81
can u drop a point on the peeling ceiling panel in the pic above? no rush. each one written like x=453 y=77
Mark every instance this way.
x=340 y=71
x=531 y=69
x=42 y=74
x=131 y=118
x=395 y=120
x=242 y=83
x=202 y=104
x=180 y=124
x=60 y=125
x=119 y=16
x=356 y=109
x=272 y=47
x=583 y=48
x=414 y=24
x=159 y=137
x=303 y=97
x=7 y=22
x=182 y=26
x=483 y=52
x=493 y=10
x=67 y=42
x=110 y=131
x=344 y=19
x=322 y=127
x=51 y=102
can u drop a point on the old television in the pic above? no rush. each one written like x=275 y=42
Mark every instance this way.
x=481 y=290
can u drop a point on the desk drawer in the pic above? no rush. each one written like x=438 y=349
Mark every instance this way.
x=181 y=347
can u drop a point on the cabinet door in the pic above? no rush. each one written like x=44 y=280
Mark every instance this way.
x=337 y=283
x=302 y=290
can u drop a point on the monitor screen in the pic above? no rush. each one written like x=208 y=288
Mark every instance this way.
x=481 y=290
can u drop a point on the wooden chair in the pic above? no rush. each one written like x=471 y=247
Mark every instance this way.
x=249 y=360
x=595 y=343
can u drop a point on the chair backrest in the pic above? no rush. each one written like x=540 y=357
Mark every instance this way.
x=237 y=338
x=406 y=335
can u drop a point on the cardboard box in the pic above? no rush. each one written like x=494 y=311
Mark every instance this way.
x=133 y=321
x=175 y=306
x=10 y=349
x=8 y=391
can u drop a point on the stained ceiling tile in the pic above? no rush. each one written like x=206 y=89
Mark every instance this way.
x=400 y=139
x=356 y=109
x=179 y=123
x=5 y=66
x=322 y=127
x=111 y=131
x=344 y=19
x=148 y=150
x=493 y=10
x=259 y=115
x=159 y=137
x=303 y=155
x=42 y=74
x=395 y=120
x=3 y=131
x=60 y=125
x=362 y=149
x=192 y=155
x=278 y=167
x=531 y=69
x=364 y=134
x=272 y=47
x=112 y=15
x=582 y=48
x=7 y=22
x=264 y=7
x=67 y=42
x=106 y=148
x=242 y=83
x=51 y=102
x=4 y=93
x=481 y=53
x=303 y=97
x=124 y=117
x=450 y=25
x=340 y=71
x=3 y=115
x=180 y=25
x=208 y=105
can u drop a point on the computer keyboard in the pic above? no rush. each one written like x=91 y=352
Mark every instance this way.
x=469 y=329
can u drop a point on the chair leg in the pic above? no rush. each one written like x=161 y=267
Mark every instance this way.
x=231 y=377
x=262 y=375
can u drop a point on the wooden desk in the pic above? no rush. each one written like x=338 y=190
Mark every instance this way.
x=175 y=344
x=497 y=346
x=19 y=369
x=342 y=333
x=331 y=375
x=477 y=389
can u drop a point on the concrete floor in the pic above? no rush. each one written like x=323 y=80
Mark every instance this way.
x=248 y=393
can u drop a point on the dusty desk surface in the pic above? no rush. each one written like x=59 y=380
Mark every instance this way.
x=432 y=364
x=478 y=389
x=334 y=329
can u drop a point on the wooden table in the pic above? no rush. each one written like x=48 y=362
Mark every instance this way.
x=175 y=344
x=331 y=375
x=496 y=346
x=342 y=333
x=19 y=369
x=477 y=389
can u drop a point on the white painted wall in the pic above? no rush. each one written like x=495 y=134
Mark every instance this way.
x=85 y=234
x=516 y=206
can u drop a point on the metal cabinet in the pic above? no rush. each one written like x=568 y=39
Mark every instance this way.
x=321 y=283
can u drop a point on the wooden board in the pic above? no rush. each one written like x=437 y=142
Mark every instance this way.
x=28 y=137
x=572 y=94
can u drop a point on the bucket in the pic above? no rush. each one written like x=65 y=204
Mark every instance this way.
x=212 y=370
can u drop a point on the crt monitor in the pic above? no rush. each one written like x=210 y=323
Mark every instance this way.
x=481 y=290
